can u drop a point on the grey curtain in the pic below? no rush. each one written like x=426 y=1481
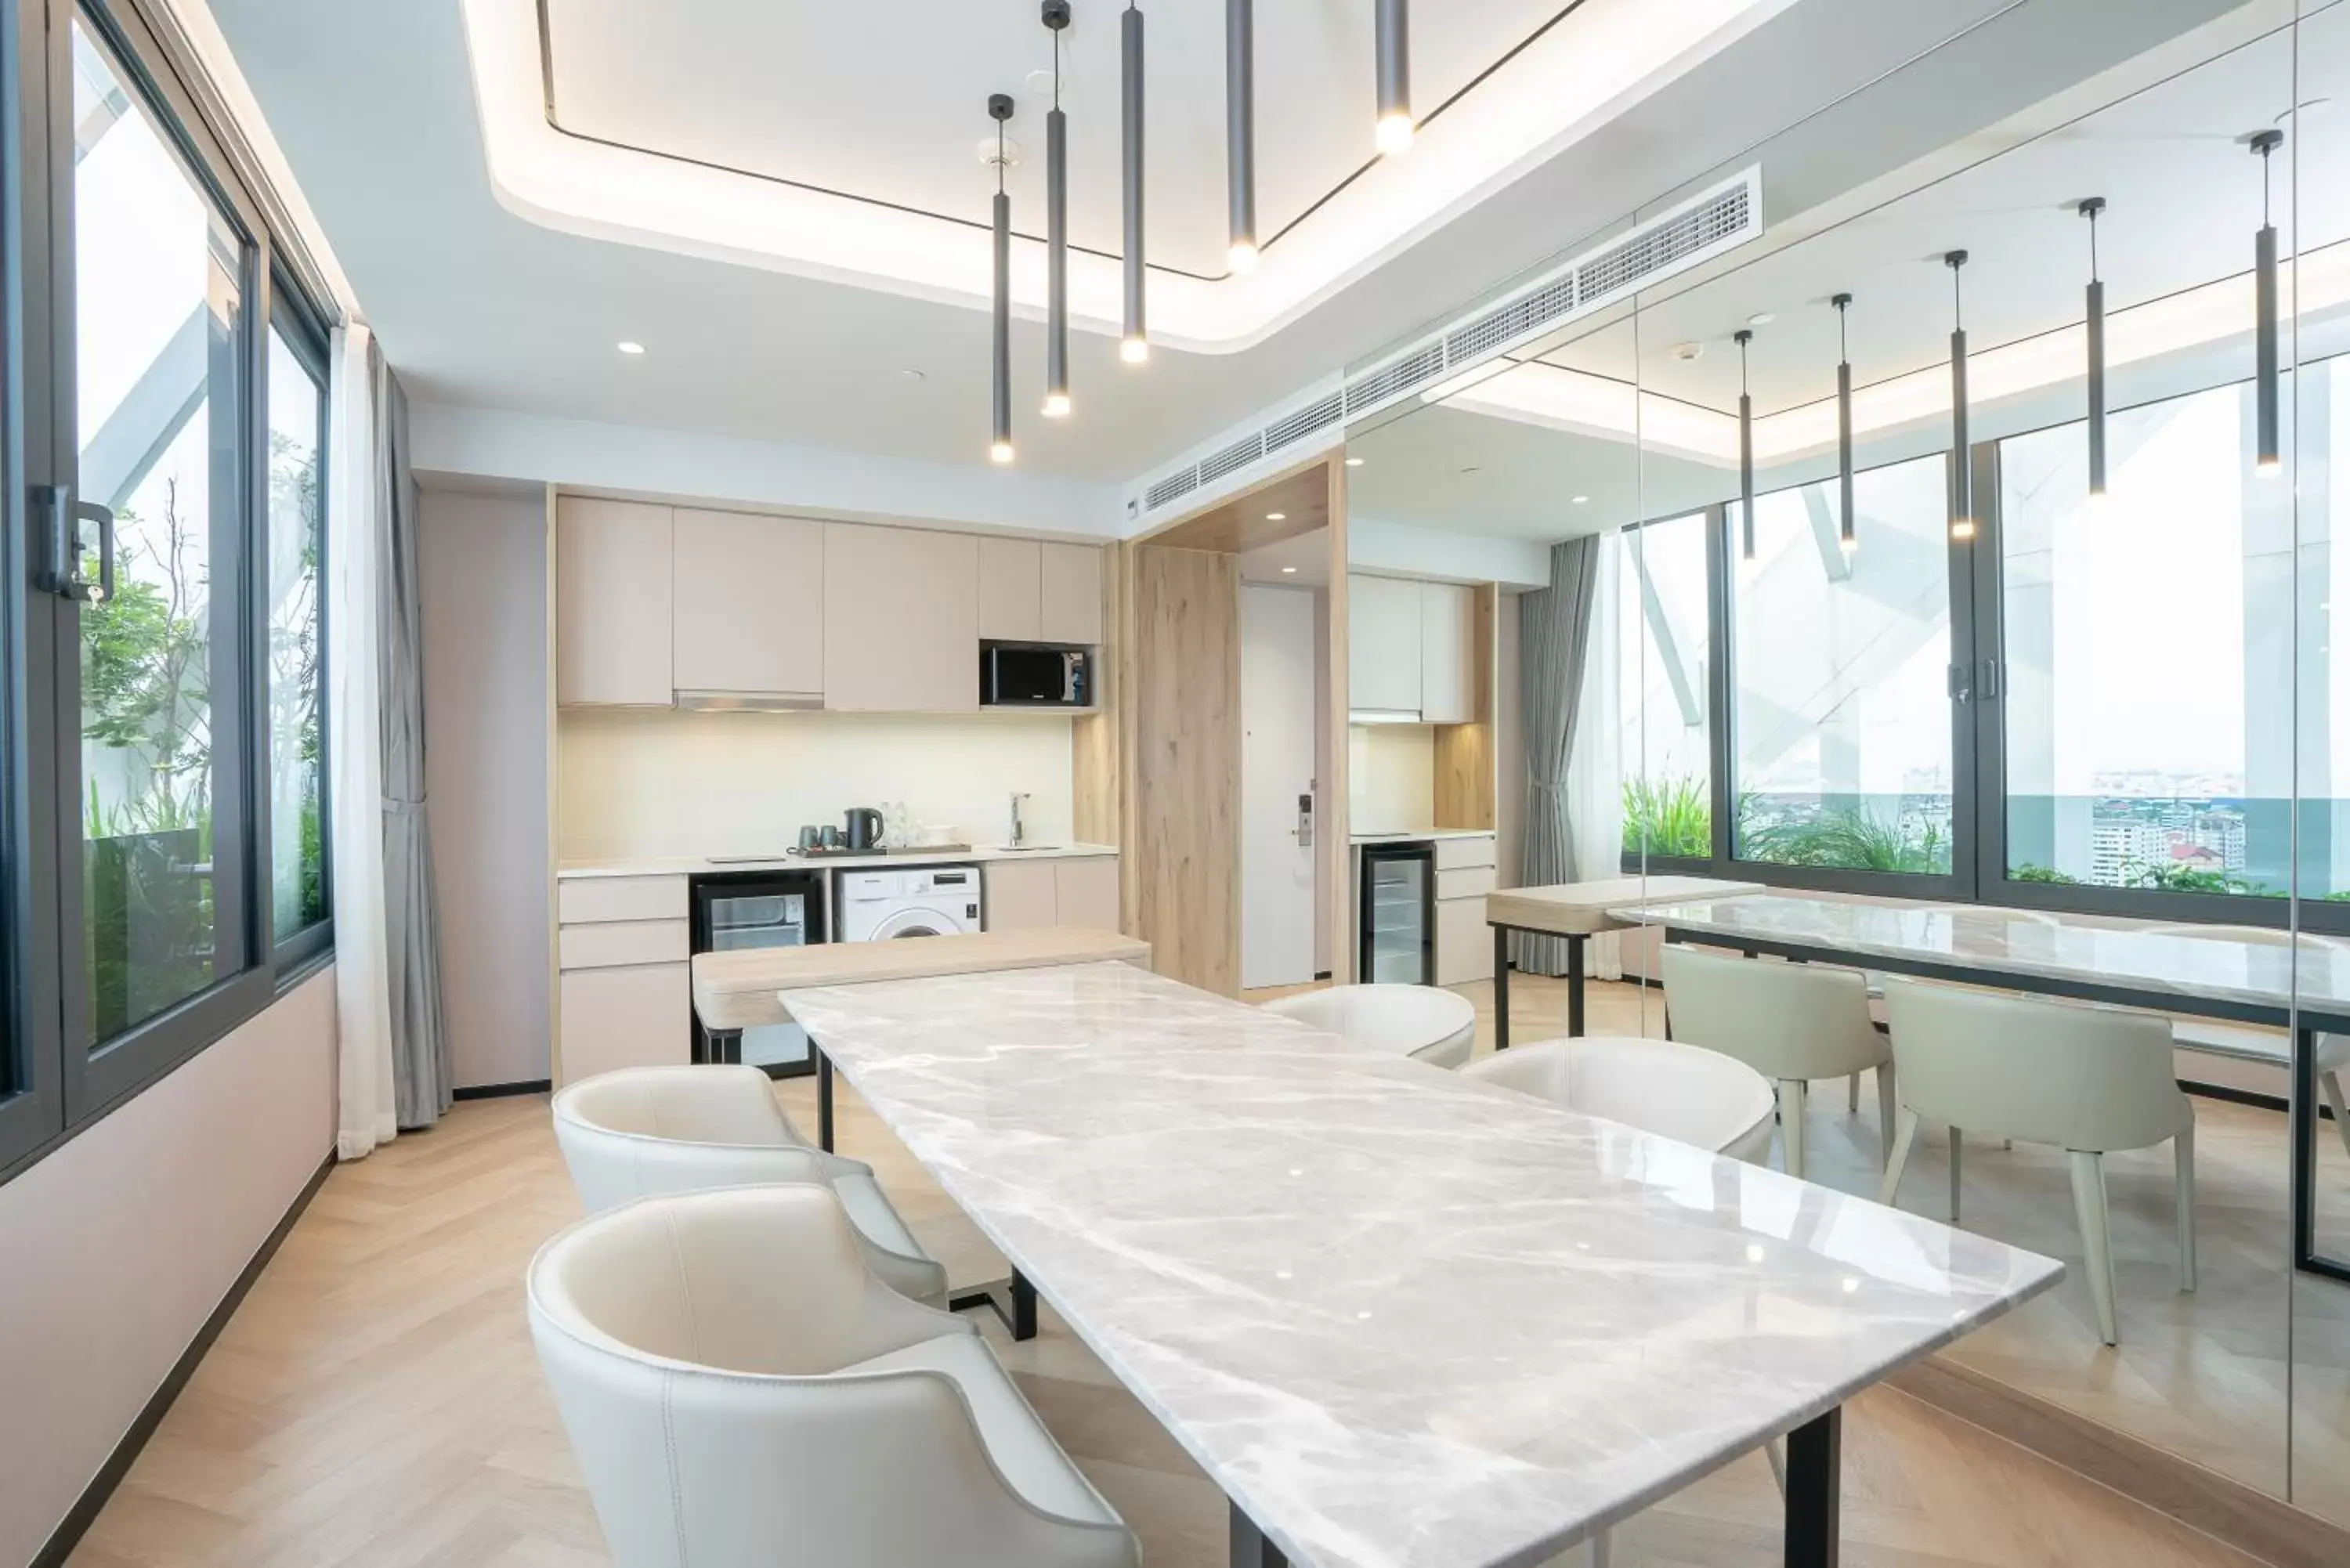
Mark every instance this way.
x=420 y=1044
x=1554 y=634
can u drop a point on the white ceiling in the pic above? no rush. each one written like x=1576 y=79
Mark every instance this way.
x=889 y=106
x=373 y=106
x=2159 y=138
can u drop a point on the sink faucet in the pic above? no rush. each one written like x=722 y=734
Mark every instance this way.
x=1019 y=829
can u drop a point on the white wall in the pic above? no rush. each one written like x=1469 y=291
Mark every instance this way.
x=1390 y=777
x=482 y=574
x=633 y=783
x=582 y=454
x=116 y=1247
x=1408 y=550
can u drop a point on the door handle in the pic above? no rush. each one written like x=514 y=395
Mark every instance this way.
x=1305 y=821
x=66 y=517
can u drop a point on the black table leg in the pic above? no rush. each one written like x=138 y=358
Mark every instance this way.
x=1501 y=988
x=1575 y=985
x=1814 y=1490
x=822 y=1100
x=1023 y=1307
x=1250 y=1547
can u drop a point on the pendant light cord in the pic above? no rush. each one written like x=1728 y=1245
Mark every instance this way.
x=2092 y=244
x=999 y=157
x=1958 y=299
x=1844 y=350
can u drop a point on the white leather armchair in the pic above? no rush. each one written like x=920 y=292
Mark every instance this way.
x=1682 y=1091
x=1425 y=1022
x=741 y=1391
x=2086 y=1079
x=1792 y=1023
x=643 y=1131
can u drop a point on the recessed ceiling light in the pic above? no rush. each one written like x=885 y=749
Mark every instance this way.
x=629 y=346
x=1687 y=351
x=910 y=376
x=1763 y=318
x=1288 y=571
x=1581 y=499
x=1276 y=516
x=1354 y=462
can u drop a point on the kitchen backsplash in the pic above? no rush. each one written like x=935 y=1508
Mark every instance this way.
x=656 y=783
x=1390 y=777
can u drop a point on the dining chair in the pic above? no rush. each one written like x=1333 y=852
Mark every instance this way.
x=1681 y=1092
x=2332 y=1051
x=1792 y=1023
x=742 y=1390
x=1425 y=1022
x=642 y=1131
x=2087 y=1079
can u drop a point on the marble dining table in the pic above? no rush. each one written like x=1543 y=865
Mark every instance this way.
x=1405 y=1319
x=2243 y=975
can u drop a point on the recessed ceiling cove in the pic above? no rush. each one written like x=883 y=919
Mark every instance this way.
x=842 y=141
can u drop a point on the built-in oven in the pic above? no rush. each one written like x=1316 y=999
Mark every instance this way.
x=732 y=911
x=1034 y=675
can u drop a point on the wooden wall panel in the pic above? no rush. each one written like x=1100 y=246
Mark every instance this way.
x=1097 y=742
x=1465 y=764
x=1336 y=867
x=1184 y=859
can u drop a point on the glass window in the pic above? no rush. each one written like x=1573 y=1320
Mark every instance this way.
x=298 y=859
x=1841 y=716
x=1661 y=623
x=2149 y=646
x=156 y=277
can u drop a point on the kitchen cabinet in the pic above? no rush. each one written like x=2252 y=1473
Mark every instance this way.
x=732 y=573
x=1070 y=594
x=612 y=602
x=901 y=619
x=1464 y=943
x=1383 y=655
x=580 y=901
x=1446 y=660
x=633 y=1016
x=1060 y=890
x=1011 y=590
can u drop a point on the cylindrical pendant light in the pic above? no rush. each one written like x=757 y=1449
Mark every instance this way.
x=1745 y=451
x=1136 y=345
x=1848 y=534
x=1395 y=126
x=999 y=109
x=2266 y=457
x=2097 y=323
x=1962 y=482
x=1239 y=128
x=1056 y=231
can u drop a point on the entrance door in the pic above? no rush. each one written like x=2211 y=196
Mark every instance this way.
x=1277 y=729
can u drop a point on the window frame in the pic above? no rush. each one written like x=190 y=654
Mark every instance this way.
x=293 y=318
x=59 y=1087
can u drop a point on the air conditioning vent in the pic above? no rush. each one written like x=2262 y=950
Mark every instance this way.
x=1394 y=378
x=1319 y=416
x=1231 y=459
x=1174 y=487
x=1509 y=323
x=1671 y=241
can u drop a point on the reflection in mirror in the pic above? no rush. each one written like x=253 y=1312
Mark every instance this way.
x=1964 y=720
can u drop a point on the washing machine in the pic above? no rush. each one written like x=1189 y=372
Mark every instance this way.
x=922 y=901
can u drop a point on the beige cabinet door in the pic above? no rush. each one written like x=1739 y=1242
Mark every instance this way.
x=1021 y=896
x=747 y=594
x=1445 y=614
x=636 y=1017
x=901 y=619
x=1072 y=593
x=612 y=602
x=1011 y=588
x=1087 y=892
x=1464 y=942
x=1383 y=627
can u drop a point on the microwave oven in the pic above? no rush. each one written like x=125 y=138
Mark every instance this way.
x=1034 y=675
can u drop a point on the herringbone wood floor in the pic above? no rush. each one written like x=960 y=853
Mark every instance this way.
x=375 y=1401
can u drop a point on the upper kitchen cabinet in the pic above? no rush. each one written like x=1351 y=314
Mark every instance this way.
x=612 y=602
x=1072 y=594
x=1446 y=660
x=1033 y=592
x=1383 y=654
x=734 y=574
x=901 y=619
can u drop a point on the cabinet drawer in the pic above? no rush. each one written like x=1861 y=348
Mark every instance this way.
x=1465 y=882
x=640 y=1016
x=619 y=942
x=584 y=900
x=1453 y=854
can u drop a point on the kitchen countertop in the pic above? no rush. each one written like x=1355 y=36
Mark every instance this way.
x=741 y=990
x=698 y=866
x=1414 y=835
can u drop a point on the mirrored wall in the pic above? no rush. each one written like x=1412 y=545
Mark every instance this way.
x=2030 y=638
